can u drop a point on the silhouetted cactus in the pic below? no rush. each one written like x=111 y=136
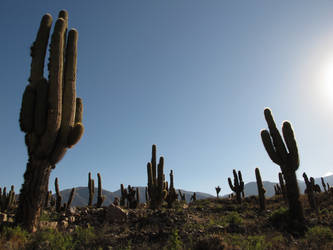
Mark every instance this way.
x=182 y=196
x=261 y=190
x=58 y=195
x=91 y=189
x=100 y=197
x=123 y=195
x=132 y=197
x=323 y=184
x=156 y=185
x=51 y=115
x=288 y=161
x=7 y=200
x=47 y=199
x=310 y=189
x=193 y=197
x=218 y=190
x=70 y=199
x=283 y=187
x=277 y=189
x=172 y=195
x=238 y=186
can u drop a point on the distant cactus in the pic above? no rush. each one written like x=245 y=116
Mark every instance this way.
x=172 y=195
x=218 y=190
x=48 y=199
x=193 y=197
x=288 y=161
x=91 y=189
x=261 y=190
x=310 y=189
x=51 y=115
x=323 y=184
x=132 y=197
x=182 y=196
x=70 y=199
x=123 y=195
x=238 y=186
x=100 y=197
x=156 y=185
x=283 y=187
x=58 y=195
x=7 y=200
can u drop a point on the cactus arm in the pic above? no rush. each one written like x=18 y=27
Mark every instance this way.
x=38 y=50
x=266 y=139
x=288 y=135
x=230 y=185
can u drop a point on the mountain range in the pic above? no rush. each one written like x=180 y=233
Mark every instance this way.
x=82 y=195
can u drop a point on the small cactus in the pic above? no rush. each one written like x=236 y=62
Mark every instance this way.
x=238 y=186
x=182 y=196
x=172 y=195
x=7 y=200
x=70 y=199
x=218 y=190
x=100 y=197
x=123 y=195
x=310 y=189
x=58 y=195
x=261 y=190
x=91 y=189
x=323 y=184
x=193 y=197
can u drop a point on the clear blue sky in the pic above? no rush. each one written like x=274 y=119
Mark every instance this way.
x=192 y=77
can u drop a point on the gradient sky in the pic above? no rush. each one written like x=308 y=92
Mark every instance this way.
x=192 y=77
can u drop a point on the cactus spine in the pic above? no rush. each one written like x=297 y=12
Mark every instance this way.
x=261 y=190
x=156 y=185
x=288 y=160
x=49 y=114
x=91 y=189
x=100 y=197
x=238 y=186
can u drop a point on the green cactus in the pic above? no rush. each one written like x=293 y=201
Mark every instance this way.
x=100 y=197
x=91 y=189
x=172 y=195
x=238 y=186
x=70 y=199
x=288 y=161
x=51 y=115
x=261 y=190
x=218 y=190
x=58 y=195
x=156 y=185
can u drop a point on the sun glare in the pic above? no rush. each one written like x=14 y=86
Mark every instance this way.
x=326 y=81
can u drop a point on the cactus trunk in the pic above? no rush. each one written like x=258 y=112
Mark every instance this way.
x=33 y=194
x=261 y=190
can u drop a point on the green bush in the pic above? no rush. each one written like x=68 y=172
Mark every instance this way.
x=233 y=218
x=52 y=239
x=174 y=242
x=13 y=237
x=279 y=218
x=319 y=236
x=84 y=236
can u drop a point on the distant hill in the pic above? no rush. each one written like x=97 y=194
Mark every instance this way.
x=251 y=187
x=82 y=195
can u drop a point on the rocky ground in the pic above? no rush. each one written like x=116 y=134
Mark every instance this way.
x=204 y=224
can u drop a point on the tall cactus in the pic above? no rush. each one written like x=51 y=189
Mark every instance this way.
x=156 y=186
x=288 y=161
x=51 y=115
x=238 y=186
x=123 y=196
x=100 y=197
x=261 y=190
